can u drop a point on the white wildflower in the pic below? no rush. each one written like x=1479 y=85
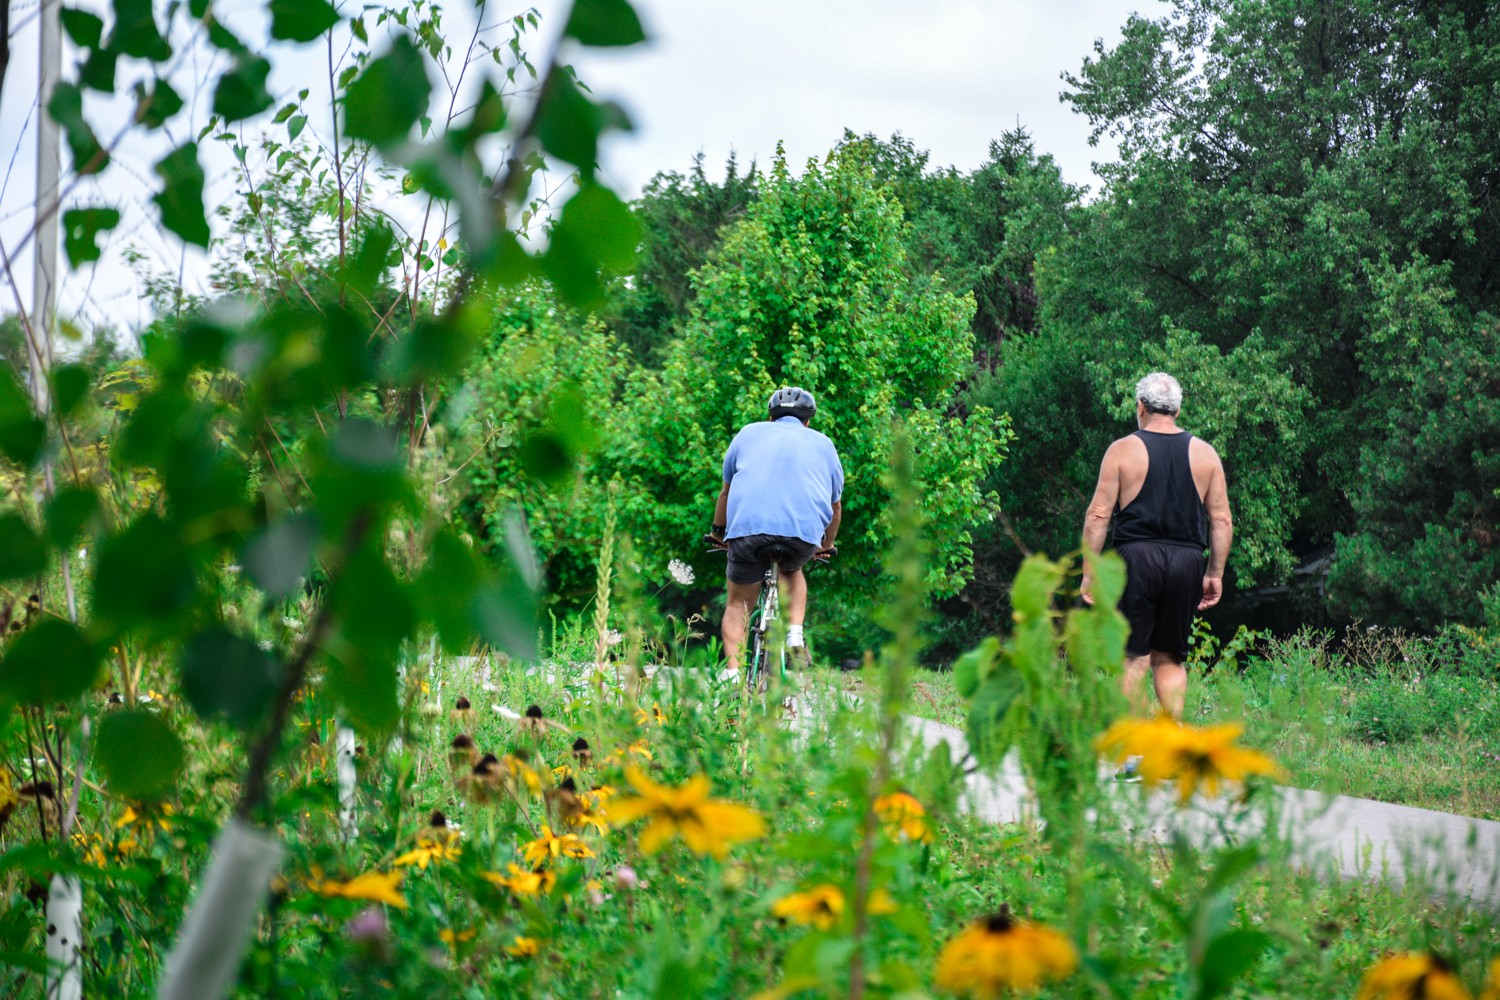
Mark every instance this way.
x=614 y=637
x=681 y=572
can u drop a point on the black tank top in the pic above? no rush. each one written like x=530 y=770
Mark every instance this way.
x=1168 y=508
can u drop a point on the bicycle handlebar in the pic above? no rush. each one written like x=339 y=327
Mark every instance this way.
x=720 y=545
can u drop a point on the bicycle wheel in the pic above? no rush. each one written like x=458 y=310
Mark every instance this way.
x=755 y=663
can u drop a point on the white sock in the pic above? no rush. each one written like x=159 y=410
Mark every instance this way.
x=794 y=635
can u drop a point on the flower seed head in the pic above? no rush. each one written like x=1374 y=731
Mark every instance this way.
x=463 y=741
x=437 y=820
x=534 y=712
x=462 y=704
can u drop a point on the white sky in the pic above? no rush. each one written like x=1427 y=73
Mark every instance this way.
x=716 y=76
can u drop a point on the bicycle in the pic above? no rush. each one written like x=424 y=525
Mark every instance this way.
x=757 y=676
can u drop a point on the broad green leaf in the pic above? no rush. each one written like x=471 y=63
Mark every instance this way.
x=368 y=264
x=991 y=704
x=84 y=28
x=241 y=92
x=604 y=22
x=974 y=666
x=1031 y=593
x=66 y=108
x=570 y=123
x=389 y=96
x=47 y=663
x=433 y=348
x=143 y=575
x=1228 y=957
x=159 y=105
x=277 y=557
x=181 y=197
x=136 y=33
x=447 y=591
x=596 y=232
x=284 y=112
x=22 y=435
x=67 y=512
x=301 y=20
x=1108 y=573
x=365 y=688
x=81 y=228
x=22 y=553
x=139 y=753
x=225 y=676
x=294 y=127
x=97 y=72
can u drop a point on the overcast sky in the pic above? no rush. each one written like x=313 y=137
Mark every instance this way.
x=716 y=76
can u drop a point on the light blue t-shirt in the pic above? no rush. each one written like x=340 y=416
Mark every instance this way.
x=783 y=479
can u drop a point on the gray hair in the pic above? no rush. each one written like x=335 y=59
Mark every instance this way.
x=1160 y=392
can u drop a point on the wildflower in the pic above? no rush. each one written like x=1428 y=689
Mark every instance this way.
x=524 y=777
x=549 y=847
x=377 y=887
x=820 y=906
x=1191 y=756
x=463 y=711
x=582 y=753
x=462 y=753
x=681 y=572
x=1492 y=984
x=562 y=772
x=518 y=880
x=1000 y=953
x=639 y=749
x=904 y=817
x=613 y=637
x=584 y=819
x=454 y=938
x=369 y=928
x=161 y=817
x=707 y=826
x=1411 y=976
x=524 y=947
x=482 y=784
x=535 y=723
x=642 y=717
x=440 y=843
x=626 y=879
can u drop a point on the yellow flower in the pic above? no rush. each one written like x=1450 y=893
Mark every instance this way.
x=904 y=817
x=707 y=826
x=524 y=775
x=524 y=947
x=642 y=717
x=8 y=797
x=1492 y=984
x=1191 y=756
x=160 y=818
x=821 y=906
x=1411 y=976
x=562 y=772
x=549 y=847
x=999 y=953
x=584 y=818
x=378 y=887
x=523 y=882
x=454 y=938
x=639 y=748
x=430 y=849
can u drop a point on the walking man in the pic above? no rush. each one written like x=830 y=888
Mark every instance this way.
x=1165 y=491
x=783 y=488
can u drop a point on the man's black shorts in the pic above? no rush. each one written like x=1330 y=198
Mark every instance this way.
x=1163 y=585
x=749 y=556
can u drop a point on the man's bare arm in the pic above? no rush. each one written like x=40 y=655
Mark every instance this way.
x=1220 y=534
x=721 y=511
x=833 y=527
x=1101 y=510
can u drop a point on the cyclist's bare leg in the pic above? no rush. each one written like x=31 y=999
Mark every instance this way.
x=736 y=613
x=794 y=596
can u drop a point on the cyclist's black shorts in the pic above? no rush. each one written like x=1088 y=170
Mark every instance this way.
x=1163 y=585
x=749 y=556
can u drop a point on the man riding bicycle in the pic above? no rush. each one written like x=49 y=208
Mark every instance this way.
x=783 y=485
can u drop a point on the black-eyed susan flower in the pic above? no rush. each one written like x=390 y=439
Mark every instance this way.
x=8 y=797
x=453 y=938
x=822 y=907
x=518 y=880
x=1411 y=976
x=1492 y=982
x=524 y=779
x=463 y=711
x=440 y=842
x=523 y=947
x=582 y=752
x=1000 y=954
x=462 y=754
x=549 y=847
x=1191 y=756
x=706 y=826
x=903 y=817
x=483 y=784
x=376 y=887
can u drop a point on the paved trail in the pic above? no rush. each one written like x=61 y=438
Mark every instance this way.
x=1352 y=837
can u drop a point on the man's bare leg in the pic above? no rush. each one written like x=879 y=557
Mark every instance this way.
x=1170 y=678
x=794 y=596
x=1133 y=683
x=736 y=614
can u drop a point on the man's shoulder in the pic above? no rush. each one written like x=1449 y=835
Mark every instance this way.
x=1199 y=448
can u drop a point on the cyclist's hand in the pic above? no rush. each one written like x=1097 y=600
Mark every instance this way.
x=823 y=555
x=715 y=542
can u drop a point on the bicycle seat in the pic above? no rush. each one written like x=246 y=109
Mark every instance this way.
x=775 y=553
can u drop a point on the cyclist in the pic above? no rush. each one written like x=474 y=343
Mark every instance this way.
x=783 y=487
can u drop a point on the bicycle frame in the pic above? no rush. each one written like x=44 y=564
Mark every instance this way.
x=767 y=610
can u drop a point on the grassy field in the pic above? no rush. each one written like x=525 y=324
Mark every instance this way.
x=1379 y=715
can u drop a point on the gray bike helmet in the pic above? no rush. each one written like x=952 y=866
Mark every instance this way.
x=792 y=401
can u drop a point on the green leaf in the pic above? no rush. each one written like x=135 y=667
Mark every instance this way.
x=47 y=663
x=143 y=575
x=225 y=676
x=277 y=558
x=97 y=72
x=432 y=349
x=139 y=753
x=570 y=123
x=294 y=127
x=181 y=197
x=447 y=589
x=991 y=704
x=1035 y=583
x=596 y=232
x=67 y=512
x=604 y=22
x=368 y=263
x=22 y=553
x=1108 y=573
x=81 y=228
x=389 y=96
x=505 y=604
x=66 y=108
x=84 y=28
x=136 y=33
x=1228 y=957
x=284 y=112
x=70 y=386
x=301 y=20
x=22 y=435
x=242 y=91
x=162 y=103
x=975 y=665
